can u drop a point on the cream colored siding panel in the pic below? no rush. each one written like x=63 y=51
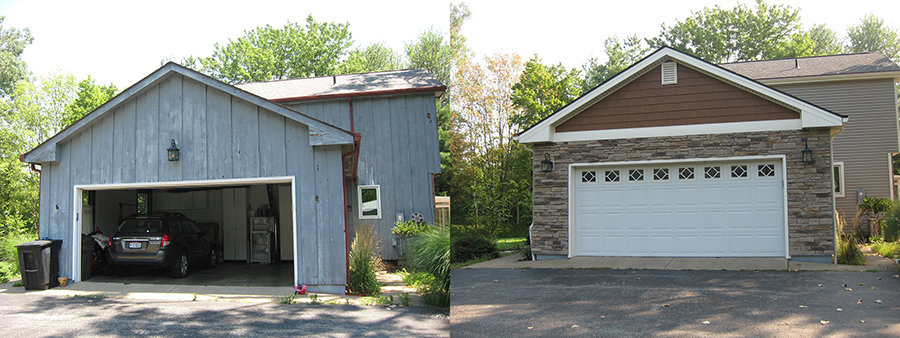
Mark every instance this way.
x=867 y=138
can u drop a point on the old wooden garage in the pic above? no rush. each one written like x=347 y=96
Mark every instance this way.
x=235 y=146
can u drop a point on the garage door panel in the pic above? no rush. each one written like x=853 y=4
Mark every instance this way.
x=673 y=216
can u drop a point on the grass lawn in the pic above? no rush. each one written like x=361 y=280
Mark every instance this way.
x=504 y=244
x=887 y=249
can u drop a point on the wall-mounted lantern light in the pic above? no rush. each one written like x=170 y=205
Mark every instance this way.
x=546 y=164
x=173 y=152
x=806 y=153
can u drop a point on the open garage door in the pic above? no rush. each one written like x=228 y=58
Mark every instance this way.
x=250 y=221
x=733 y=208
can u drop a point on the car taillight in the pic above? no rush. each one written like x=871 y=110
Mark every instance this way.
x=166 y=239
x=110 y=241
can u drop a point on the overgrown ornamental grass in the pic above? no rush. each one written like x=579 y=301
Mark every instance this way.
x=9 y=256
x=364 y=262
x=429 y=257
x=848 y=251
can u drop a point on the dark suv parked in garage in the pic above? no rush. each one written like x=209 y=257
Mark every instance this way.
x=167 y=240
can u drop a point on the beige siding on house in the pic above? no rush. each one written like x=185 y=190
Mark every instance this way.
x=867 y=138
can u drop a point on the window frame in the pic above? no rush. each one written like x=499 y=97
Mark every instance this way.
x=359 y=190
x=841 y=183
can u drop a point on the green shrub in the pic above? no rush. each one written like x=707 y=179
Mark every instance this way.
x=364 y=262
x=409 y=228
x=890 y=225
x=430 y=254
x=467 y=246
x=9 y=255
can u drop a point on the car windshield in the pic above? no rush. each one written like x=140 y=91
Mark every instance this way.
x=141 y=225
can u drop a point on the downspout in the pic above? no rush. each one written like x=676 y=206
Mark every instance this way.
x=38 y=171
x=354 y=156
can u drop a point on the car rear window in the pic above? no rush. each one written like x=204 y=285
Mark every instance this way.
x=141 y=225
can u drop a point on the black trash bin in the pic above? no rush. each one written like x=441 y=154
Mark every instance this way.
x=39 y=263
x=87 y=256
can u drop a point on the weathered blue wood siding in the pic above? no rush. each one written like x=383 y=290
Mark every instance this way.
x=398 y=151
x=220 y=136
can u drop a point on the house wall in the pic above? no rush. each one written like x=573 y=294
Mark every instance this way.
x=398 y=151
x=867 y=138
x=220 y=137
x=810 y=216
x=696 y=99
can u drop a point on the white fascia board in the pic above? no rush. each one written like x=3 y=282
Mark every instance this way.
x=691 y=129
x=811 y=115
x=831 y=78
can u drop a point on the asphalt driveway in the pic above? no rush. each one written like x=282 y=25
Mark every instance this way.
x=40 y=315
x=554 y=302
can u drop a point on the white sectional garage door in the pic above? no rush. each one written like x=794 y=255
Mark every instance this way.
x=699 y=209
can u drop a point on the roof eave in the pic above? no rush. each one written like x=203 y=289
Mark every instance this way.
x=831 y=77
x=438 y=90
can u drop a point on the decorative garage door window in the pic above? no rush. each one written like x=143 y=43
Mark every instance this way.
x=685 y=209
x=588 y=176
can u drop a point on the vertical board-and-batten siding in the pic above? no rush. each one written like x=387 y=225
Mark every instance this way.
x=866 y=139
x=398 y=151
x=219 y=137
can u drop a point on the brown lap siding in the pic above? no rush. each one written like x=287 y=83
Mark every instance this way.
x=810 y=209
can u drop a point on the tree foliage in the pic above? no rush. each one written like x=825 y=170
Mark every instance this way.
x=373 y=58
x=293 y=51
x=619 y=55
x=738 y=34
x=542 y=90
x=12 y=69
x=872 y=34
x=90 y=96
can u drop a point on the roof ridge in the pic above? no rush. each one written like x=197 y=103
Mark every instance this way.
x=335 y=75
x=802 y=57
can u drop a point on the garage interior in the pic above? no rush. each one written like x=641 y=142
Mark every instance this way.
x=251 y=224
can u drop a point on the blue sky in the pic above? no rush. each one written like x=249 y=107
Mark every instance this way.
x=120 y=42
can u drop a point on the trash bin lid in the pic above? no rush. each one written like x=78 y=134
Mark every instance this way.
x=35 y=243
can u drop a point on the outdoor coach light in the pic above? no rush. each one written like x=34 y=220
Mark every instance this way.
x=546 y=164
x=806 y=153
x=173 y=152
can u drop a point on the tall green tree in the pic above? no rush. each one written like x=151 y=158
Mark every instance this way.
x=542 y=90
x=90 y=96
x=738 y=34
x=12 y=69
x=293 y=51
x=433 y=52
x=824 y=41
x=872 y=34
x=372 y=58
x=619 y=55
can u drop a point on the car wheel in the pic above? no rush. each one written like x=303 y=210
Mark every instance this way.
x=180 y=269
x=213 y=257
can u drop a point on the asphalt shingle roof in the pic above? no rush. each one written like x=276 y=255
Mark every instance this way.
x=814 y=66
x=346 y=85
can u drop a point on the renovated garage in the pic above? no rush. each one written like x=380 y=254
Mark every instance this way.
x=678 y=157
x=671 y=209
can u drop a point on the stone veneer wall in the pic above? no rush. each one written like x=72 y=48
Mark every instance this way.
x=810 y=201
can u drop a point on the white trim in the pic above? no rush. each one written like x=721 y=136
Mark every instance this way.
x=574 y=166
x=830 y=78
x=359 y=201
x=810 y=115
x=841 y=182
x=78 y=189
x=691 y=129
x=891 y=174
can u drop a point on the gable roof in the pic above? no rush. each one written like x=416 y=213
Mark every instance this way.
x=320 y=133
x=810 y=114
x=348 y=85
x=862 y=65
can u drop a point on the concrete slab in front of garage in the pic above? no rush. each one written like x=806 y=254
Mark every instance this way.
x=667 y=263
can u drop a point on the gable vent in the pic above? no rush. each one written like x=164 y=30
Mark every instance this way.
x=669 y=73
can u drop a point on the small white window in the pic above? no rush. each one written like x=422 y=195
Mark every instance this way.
x=369 y=201
x=669 y=73
x=838 y=179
